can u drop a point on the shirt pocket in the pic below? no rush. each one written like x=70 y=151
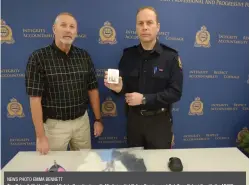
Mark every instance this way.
x=159 y=72
x=131 y=80
x=134 y=73
x=160 y=77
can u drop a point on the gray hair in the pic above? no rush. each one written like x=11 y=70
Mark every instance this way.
x=63 y=13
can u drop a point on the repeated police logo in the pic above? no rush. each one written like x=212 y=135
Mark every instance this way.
x=6 y=33
x=241 y=134
x=15 y=109
x=202 y=38
x=196 y=107
x=107 y=34
x=109 y=108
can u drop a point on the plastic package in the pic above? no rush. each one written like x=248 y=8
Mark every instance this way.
x=113 y=160
x=55 y=168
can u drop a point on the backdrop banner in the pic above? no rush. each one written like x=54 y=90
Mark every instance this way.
x=212 y=37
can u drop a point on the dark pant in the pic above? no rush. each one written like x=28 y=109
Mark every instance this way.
x=150 y=132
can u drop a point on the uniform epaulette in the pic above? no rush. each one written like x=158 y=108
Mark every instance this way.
x=169 y=48
x=129 y=48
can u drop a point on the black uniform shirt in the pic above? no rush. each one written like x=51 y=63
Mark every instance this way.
x=157 y=74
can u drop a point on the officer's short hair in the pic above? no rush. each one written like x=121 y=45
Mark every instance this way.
x=150 y=8
x=63 y=13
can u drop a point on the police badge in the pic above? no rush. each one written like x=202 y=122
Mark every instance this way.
x=107 y=34
x=6 y=33
x=196 y=107
x=109 y=107
x=15 y=109
x=202 y=38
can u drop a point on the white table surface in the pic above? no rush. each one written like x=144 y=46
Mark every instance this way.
x=201 y=159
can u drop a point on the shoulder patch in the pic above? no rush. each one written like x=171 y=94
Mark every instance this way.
x=130 y=48
x=179 y=62
x=168 y=48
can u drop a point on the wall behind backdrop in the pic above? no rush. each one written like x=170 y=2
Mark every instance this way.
x=212 y=37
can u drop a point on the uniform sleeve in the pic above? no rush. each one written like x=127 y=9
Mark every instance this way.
x=34 y=77
x=92 y=82
x=173 y=92
x=121 y=69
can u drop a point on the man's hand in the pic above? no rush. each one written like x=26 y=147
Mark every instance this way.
x=98 y=128
x=115 y=87
x=133 y=98
x=42 y=145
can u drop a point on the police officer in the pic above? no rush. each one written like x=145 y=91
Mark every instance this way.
x=151 y=79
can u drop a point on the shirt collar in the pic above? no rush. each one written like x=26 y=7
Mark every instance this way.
x=157 y=48
x=58 y=50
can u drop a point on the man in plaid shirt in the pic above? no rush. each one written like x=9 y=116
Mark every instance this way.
x=60 y=80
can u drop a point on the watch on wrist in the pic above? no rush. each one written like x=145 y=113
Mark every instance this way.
x=98 y=120
x=144 y=100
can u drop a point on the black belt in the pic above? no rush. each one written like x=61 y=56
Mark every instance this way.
x=152 y=112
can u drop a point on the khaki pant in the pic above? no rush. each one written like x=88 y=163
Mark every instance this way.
x=76 y=133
